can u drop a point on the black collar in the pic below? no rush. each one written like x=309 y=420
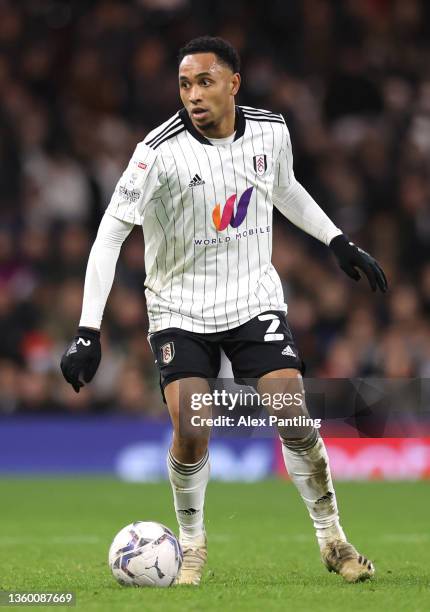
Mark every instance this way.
x=239 y=126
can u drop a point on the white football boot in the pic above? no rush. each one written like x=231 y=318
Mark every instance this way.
x=342 y=558
x=195 y=555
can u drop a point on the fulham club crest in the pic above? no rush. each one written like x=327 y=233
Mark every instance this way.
x=260 y=164
x=167 y=352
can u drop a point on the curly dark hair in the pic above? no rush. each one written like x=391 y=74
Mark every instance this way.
x=224 y=51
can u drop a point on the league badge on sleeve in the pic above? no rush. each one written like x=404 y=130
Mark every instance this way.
x=167 y=352
x=260 y=164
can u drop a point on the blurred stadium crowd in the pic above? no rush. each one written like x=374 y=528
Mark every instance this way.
x=82 y=81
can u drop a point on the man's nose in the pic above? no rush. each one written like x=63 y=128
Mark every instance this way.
x=195 y=94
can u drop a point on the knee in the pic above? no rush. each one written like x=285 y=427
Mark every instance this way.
x=188 y=449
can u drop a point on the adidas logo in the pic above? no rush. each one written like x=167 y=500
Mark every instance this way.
x=288 y=351
x=196 y=181
x=325 y=498
x=188 y=512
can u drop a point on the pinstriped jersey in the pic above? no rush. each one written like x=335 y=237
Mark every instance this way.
x=206 y=213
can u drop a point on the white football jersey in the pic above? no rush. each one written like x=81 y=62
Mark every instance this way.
x=206 y=213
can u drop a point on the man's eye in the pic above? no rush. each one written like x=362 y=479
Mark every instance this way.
x=184 y=85
x=206 y=82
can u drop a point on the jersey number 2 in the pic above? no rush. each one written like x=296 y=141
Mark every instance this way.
x=270 y=332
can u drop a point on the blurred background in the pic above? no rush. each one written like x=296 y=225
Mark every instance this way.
x=81 y=82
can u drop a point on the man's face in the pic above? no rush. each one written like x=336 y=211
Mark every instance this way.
x=207 y=87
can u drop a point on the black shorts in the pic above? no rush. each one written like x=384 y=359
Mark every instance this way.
x=262 y=345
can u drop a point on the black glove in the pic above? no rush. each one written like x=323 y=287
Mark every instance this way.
x=82 y=357
x=351 y=257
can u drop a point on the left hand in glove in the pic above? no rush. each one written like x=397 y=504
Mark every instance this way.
x=350 y=257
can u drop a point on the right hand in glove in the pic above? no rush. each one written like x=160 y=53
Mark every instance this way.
x=82 y=357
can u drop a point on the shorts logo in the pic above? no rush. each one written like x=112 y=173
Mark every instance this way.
x=142 y=166
x=260 y=164
x=288 y=351
x=167 y=352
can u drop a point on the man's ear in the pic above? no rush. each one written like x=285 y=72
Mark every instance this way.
x=235 y=83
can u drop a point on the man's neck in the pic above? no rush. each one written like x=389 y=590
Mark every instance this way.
x=223 y=129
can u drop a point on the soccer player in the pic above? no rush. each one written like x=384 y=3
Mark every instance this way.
x=203 y=185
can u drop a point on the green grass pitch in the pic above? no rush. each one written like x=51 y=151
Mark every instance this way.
x=55 y=534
